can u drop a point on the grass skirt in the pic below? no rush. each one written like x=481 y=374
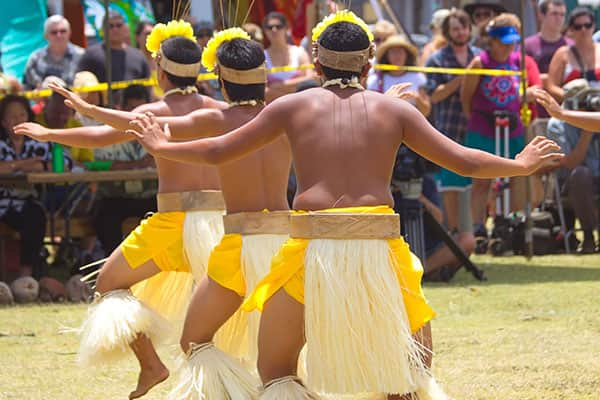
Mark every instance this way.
x=359 y=337
x=239 y=336
x=208 y=373
x=113 y=322
x=202 y=231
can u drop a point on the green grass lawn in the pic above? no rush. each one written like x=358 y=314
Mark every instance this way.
x=532 y=331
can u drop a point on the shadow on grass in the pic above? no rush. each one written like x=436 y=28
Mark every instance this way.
x=514 y=274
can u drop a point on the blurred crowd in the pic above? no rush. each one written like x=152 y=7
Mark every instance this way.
x=563 y=57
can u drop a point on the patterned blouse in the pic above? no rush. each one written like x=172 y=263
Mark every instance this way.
x=15 y=197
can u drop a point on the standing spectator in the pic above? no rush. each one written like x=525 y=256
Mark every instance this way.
x=448 y=116
x=203 y=31
x=383 y=29
x=578 y=60
x=280 y=54
x=437 y=38
x=482 y=95
x=542 y=46
x=142 y=30
x=126 y=62
x=482 y=12
x=579 y=176
x=59 y=58
x=20 y=208
x=396 y=50
x=117 y=201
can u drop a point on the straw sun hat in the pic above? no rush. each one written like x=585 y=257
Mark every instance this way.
x=396 y=41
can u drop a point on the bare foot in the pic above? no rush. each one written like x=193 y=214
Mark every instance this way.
x=149 y=377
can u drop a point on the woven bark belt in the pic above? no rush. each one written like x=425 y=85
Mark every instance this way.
x=201 y=200
x=258 y=223
x=345 y=226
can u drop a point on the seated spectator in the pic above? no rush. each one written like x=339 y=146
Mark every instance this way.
x=396 y=50
x=20 y=208
x=142 y=30
x=87 y=79
x=579 y=175
x=203 y=31
x=126 y=62
x=117 y=201
x=59 y=58
x=56 y=115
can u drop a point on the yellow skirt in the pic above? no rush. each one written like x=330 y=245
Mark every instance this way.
x=238 y=263
x=363 y=302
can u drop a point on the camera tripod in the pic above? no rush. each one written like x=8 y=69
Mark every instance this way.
x=413 y=216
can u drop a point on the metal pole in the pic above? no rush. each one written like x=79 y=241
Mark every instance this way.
x=528 y=221
x=107 y=50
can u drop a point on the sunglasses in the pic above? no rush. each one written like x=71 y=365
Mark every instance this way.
x=586 y=26
x=116 y=25
x=275 y=27
x=57 y=31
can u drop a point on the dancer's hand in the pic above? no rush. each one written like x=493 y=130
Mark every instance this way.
x=399 y=91
x=72 y=100
x=149 y=133
x=548 y=102
x=34 y=131
x=540 y=153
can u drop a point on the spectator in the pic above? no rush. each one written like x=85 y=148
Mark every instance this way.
x=542 y=46
x=577 y=60
x=279 y=54
x=87 y=79
x=383 y=29
x=254 y=31
x=20 y=208
x=482 y=95
x=56 y=115
x=396 y=50
x=437 y=39
x=59 y=58
x=203 y=31
x=142 y=31
x=448 y=116
x=579 y=176
x=117 y=201
x=126 y=62
x=482 y=12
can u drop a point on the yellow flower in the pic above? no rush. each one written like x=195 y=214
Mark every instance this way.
x=340 y=16
x=162 y=32
x=209 y=55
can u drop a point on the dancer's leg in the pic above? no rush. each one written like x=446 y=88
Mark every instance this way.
x=422 y=336
x=211 y=306
x=117 y=274
x=281 y=337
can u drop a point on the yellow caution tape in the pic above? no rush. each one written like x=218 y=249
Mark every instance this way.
x=36 y=94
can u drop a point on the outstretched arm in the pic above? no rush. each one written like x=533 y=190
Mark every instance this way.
x=419 y=135
x=589 y=121
x=200 y=123
x=88 y=137
x=260 y=131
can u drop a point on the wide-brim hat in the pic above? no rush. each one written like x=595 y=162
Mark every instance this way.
x=494 y=5
x=395 y=41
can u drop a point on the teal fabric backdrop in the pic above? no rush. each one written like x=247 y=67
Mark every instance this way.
x=21 y=33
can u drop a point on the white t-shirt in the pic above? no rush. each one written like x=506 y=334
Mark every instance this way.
x=417 y=80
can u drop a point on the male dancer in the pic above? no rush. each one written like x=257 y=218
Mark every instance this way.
x=345 y=261
x=178 y=238
x=250 y=185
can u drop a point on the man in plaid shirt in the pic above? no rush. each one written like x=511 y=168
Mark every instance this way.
x=447 y=113
x=60 y=58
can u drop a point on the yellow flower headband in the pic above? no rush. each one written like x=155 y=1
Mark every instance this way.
x=209 y=55
x=340 y=16
x=162 y=32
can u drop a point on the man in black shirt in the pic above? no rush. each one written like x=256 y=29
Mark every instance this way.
x=126 y=62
